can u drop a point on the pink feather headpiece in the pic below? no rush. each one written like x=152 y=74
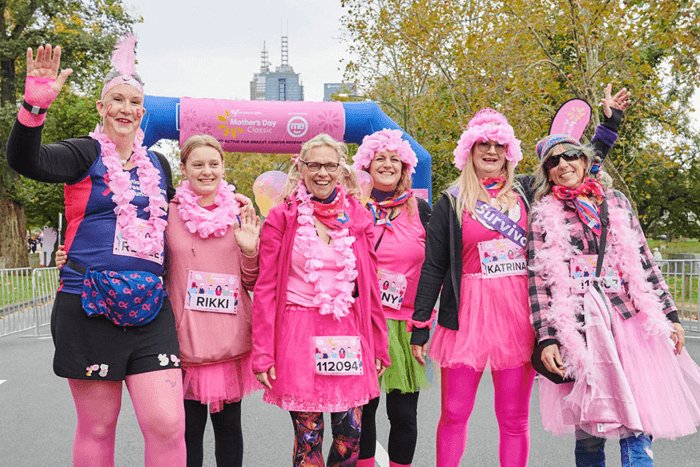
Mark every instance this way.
x=381 y=141
x=487 y=125
x=124 y=62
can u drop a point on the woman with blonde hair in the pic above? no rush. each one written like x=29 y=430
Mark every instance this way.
x=319 y=337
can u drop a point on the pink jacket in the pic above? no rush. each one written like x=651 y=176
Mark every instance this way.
x=276 y=241
x=207 y=337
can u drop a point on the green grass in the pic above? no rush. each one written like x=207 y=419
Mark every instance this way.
x=683 y=245
x=15 y=289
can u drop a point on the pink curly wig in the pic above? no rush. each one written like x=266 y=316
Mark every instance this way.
x=487 y=125
x=381 y=141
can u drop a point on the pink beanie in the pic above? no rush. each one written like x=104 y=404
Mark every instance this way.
x=487 y=125
x=384 y=140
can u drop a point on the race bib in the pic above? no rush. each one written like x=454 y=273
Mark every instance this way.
x=582 y=270
x=121 y=247
x=337 y=355
x=213 y=292
x=502 y=257
x=392 y=288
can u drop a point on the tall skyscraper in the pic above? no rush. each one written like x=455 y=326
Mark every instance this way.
x=279 y=85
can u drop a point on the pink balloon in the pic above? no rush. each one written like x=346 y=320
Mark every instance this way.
x=366 y=184
x=267 y=189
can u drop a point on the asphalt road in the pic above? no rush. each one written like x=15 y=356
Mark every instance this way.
x=37 y=419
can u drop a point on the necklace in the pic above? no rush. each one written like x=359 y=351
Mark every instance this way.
x=204 y=222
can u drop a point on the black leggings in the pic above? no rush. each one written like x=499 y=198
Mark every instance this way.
x=402 y=410
x=228 y=437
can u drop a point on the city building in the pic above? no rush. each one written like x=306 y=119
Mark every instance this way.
x=279 y=85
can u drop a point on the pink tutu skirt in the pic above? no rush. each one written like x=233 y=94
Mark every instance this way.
x=494 y=326
x=220 y=383
x=665 y=386
x=298 y=386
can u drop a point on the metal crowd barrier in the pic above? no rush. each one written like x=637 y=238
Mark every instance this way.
x=26 y=298
x=26 y=295
x=683 y=279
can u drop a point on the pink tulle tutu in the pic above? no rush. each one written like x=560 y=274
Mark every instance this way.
x=665 y=386
x=494 y=326
x=298 y=387
x=219 y=383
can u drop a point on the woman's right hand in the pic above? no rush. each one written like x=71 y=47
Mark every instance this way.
x=419 y=352
x=44 y=82
x=551 y=358
x=266 y=377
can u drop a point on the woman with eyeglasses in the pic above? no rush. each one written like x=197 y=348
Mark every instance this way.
x=476 y=259
x=319 y=334
x=604 y=316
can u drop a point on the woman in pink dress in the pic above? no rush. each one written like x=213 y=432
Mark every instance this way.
x=316 y=293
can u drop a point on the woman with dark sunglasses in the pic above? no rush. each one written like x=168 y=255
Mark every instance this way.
x=603 y=316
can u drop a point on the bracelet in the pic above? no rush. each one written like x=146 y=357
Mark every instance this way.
x=33 y=109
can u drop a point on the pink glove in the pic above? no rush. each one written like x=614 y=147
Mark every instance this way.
x=38 y=95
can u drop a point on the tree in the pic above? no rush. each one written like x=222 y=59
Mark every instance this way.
x=443 y=60
x=87 y=31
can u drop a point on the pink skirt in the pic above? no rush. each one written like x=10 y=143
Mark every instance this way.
x=221 y=383
x=298 y=386
x=494 y=326
x=665 y=386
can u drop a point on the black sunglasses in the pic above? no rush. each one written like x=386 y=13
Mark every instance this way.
x=569 y=156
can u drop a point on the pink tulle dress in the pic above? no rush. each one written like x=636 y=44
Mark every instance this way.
x=665 y=387
x=299 y=385
x=494 y=312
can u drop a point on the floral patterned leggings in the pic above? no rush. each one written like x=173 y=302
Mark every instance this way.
x=308 y=438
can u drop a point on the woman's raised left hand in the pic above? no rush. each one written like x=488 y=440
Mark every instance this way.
x=247 y=231
x=620 y=101
x=678 y=338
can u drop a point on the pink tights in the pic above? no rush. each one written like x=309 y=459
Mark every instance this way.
x=512 y=402
x=157 y=399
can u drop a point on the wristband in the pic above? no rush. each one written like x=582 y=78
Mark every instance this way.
x=33 y=109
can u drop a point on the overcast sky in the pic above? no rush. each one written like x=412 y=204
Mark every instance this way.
x=211 y=48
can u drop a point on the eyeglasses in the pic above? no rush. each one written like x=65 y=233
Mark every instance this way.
x=316 y=166
x=484 y=146
x=569 y=156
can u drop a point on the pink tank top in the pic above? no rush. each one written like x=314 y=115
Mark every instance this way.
x=474 y=231
x=300 y=292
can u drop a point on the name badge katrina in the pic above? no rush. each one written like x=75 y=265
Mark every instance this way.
x=337 y=355
x=501 y=257
x=121 y=247
x=212 y=292
x=392 y=288
x=582 y=269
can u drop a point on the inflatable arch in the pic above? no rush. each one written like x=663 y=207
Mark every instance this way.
x=273 y=126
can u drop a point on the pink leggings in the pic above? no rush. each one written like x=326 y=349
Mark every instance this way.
x=512 y=403
x=157 y=399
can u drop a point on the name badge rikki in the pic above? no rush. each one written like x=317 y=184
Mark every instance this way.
x=582 y=269
x=392 y=288
x=212 y=292
x=337 y=355
x=501 y=257
x=121 y=247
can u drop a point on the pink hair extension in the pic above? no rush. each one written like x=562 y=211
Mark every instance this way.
x=487 y=125
x=384 y=141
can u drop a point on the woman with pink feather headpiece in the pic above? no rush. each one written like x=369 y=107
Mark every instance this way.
x=400 y=222
x=476 y=259
x=112 y=321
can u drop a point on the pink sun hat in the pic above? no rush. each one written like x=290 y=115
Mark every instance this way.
x=487 y=125
x=381 y=141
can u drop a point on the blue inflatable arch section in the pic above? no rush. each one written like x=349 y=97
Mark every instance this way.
x=361 y=119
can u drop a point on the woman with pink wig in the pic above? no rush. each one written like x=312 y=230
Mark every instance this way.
x=400 y=222
x=476 y=255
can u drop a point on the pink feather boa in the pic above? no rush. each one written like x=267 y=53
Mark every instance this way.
x=551 y=263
